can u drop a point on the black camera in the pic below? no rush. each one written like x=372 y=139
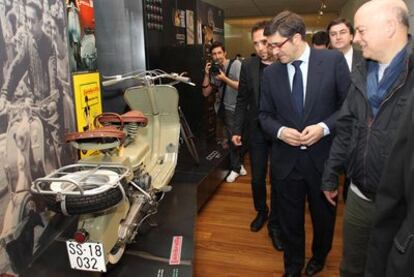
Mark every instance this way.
x=215 y=68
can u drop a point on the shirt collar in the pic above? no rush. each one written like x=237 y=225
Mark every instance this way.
x=348 y=57
x=349 y=53
x=305 y=55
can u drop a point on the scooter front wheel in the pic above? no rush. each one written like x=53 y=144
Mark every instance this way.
x=116 y=253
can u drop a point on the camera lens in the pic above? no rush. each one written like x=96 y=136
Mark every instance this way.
x=215 y=68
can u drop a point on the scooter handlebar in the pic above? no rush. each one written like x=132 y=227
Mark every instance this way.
x=182 y=78
x=115 y=80
x=149 y=75
x=110 y=82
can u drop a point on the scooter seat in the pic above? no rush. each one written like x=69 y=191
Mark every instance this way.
x=102 y=138
x=128 y=117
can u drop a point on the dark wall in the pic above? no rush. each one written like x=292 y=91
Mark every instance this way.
x=120 y=45
x=188 y=58
x=170 y=50
x=170 y=36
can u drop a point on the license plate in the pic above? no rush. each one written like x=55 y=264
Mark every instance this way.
x=86 y=256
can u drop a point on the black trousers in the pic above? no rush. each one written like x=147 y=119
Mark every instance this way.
x=260 y=149
x=236 y=153
x=304 y=183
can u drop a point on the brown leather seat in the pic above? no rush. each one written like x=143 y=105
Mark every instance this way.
x=128 y=117
x=106 y=137
x=98 y=133
x=101 y=138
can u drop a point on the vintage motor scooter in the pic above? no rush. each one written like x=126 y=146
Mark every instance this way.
x=115 y=191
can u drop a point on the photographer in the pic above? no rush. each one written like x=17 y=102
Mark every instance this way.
x=222 y=76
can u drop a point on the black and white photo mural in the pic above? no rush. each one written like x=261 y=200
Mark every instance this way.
x=36 y=109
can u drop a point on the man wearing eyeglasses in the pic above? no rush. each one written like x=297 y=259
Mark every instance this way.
x=300 y=99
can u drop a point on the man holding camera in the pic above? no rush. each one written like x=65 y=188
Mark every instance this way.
x=222 y=75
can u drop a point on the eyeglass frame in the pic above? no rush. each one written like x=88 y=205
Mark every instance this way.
x=278 y=45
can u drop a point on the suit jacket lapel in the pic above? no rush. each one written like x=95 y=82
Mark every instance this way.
x=356 y=58
x=313 y=83
x=359 y=76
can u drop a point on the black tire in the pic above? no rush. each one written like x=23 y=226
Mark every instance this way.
x=76 y=205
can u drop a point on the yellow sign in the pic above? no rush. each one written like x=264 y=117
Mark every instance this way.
x=88 y=102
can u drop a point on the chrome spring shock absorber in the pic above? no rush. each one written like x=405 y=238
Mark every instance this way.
x=132 y=131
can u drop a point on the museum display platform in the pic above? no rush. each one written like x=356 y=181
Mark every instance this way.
x=151 y=254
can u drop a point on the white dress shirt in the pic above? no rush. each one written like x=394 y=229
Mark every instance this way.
x=348 y=57
x=303 y=67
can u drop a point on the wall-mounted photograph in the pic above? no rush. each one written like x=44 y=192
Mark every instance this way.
x=81 y=28
x=36 y=108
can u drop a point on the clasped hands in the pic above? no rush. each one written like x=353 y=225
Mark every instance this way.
x=310 y=135
x=307 y=137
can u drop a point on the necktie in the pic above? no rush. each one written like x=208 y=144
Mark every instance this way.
x=297 y=88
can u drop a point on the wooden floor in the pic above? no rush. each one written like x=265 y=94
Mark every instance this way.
x=226 y=247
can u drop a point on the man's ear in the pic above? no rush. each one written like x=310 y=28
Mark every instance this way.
x=296 y=38
x=390 y=27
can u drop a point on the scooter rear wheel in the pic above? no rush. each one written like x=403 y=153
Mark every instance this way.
x=76 y=204
x=92 y=191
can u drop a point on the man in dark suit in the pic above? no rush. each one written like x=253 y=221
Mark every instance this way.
x=247 y=126
x=299 y=101
x=341 y=34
